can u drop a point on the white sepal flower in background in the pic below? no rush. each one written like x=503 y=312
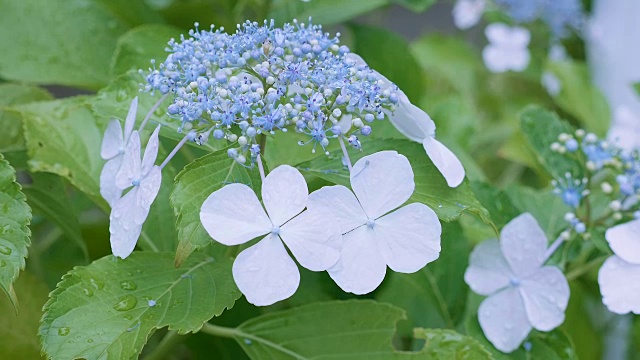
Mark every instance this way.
x=264 y=272
x=507 y=48
x=625 y=129
x=114 y=144
x=130 y=211
x=417 y=126
x=376 y=232
x=467 y=13
x=619 y=276
x=522 y=292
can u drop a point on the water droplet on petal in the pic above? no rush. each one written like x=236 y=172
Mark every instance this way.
x=126 y=303
x=63 y=331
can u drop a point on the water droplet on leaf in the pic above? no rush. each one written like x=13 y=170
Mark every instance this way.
x=128 y=285
x=5 y=250
x=87 y=292
x=63 y=331
x=126 y=303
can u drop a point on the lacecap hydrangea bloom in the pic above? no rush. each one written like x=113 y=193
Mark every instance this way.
x=262 y=79
x=523 y=294
x=561 y=16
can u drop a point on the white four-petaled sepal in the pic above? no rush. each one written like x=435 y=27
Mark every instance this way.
x=112 y=150
x=522 y=292
x=467 y=13
x=624 y=240
x=507 y=48
x=130 y=211
x=264 y=272
x=376 y=232
x=619 y=282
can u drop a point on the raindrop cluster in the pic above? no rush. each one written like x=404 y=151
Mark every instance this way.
x=262 y=79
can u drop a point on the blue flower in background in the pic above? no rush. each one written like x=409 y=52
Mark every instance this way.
x=561 y=16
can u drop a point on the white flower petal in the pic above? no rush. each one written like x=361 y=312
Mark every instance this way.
x=382 y=182
x=284 y=194
x=546 y=295
x=233 y=215
x=445 y=160
x=488 y=270
x=409 y=238
x=523 y=244
x=519 y=60
x=620 y=285
x=151 y=151
x=314 y=240
x=497 y=33
x=108 y=188
x=149 y=187
x=503 y=319
x=467 y=13
x=265 y=273
x=130 y=168
x=122 y=225
x=624 y=240
x=130 y=121
x=361 y=268
x=411 y=121
x=495 y=59
x=339 y=203
x=518 y=37
x=112 y=142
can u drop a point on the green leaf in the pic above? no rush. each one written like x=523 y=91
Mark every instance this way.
x=544 y=205
x=193 y=185
x=636 y=87
x=497 y=202
x=15 y=216
x=325 y=12
x=431 y=187
x=344 y=330
x=19 y=332
x=10 y=125
x=137 y=47
x=110 y=308
x=48 y=196
x=67 y=43
x=580 y=97
x=416 y=5
x=63 y=137
x=395 y=62
x=435 y=296
x=541 y=128
x=447 y=344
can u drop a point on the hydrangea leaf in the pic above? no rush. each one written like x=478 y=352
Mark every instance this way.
x=345 y=330
x=12 y=138
x=47 y=195
x=416 y=5
x=193 y=185
x=110 y=308
x=435 y=296
x=431 y=187
x=53 y=50
x=63 y=137
x=15 y=216
x=580 y=97
x=541 y=129
x=138 y=46
x=19 y=332
x=396 y=62
x=497 y=203
x=326 y=12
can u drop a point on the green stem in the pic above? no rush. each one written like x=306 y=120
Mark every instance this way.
x=168 y=342
x=263 y=143
x=581 y=270
x=220 y=331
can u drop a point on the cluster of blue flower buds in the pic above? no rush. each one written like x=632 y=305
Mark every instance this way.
x=561 y=16
x=262 y=79
x=616 y=170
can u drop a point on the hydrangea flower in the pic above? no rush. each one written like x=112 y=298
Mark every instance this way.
x=262 y=79
x=377 y=232
x=619 y=276
x=114 y=143
x=144 y=178
x=417 y=126
x=507 y=48
x=560 y=15
x=264 y=272
x=625 y=130
x=522 y=293
x=467 y=13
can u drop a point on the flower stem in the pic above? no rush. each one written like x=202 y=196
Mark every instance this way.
x=556 y=244
x=260 y=167
x=346 y=154
x=151 y=111
x=174 y=151
x=168 y=342
x=220 y=331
